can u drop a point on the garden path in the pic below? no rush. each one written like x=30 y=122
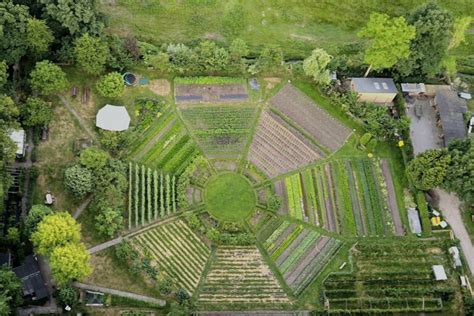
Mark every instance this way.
x=70 y=108
x=82 y=206
x=392 y=199
x=133 y=296
x=449 y=204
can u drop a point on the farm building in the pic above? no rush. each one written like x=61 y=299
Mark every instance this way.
x=451 y=110
x=414 y=221
x=439 y=273
x=113 y=118
x=18 y=136
x=375 y=90
x=33 y=284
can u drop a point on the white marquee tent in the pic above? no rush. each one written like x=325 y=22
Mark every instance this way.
x=113 y=118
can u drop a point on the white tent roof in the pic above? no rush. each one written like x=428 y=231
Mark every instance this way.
x=439 y=273
x=113 y=118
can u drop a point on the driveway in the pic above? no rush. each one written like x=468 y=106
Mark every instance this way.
x=449 y=206
x=423 y=130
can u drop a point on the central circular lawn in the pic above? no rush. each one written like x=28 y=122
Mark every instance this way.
x=229 y=197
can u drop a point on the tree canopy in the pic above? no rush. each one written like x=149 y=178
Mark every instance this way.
x=10 y=291
x=35 y=216
x=78 y=180
x=389 y=40
x=39 y=36
x=77 y=16
x=91 y=54
x=429 y=47
x=55 y=230
x=36 y=112
x=111 y=85
x=47 y=78
x=94 y=158
x=13 y=31
x=316 y=64
x=70 y=262
x=428 y=169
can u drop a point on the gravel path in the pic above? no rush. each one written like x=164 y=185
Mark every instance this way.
x=133 y=296
x=449 y=205
x=392 y=199
x=82 y=206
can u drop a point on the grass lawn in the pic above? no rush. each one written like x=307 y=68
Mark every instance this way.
x=296 y=26
x=230 y=197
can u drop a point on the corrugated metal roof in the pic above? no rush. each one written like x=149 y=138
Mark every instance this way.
x=18 y=137
x=374 y=85
x=414 y=221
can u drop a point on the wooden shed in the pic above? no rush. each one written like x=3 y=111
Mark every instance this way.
x=374 y=90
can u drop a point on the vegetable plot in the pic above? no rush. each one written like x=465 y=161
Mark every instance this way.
x=152 y=195
x=178 y=252
x=299 y=253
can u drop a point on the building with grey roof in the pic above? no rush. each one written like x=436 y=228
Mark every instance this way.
x=33 y=283
x=451 y=110
x=374 y=90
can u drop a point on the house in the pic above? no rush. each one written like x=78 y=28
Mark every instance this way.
x=113 y=118
x=439 y=273
x=451 y=109
x=454 y=251
x=414 y=221
x=33 y=283
x=18 y=136
x=374 y=90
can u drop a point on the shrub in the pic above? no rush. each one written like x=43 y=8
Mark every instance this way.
x=78 y=180
x=111 y=85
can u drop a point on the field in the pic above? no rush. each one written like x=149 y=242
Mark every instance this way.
x=178 y=252
x=151 y=195
x=381 y=282
x=239 y=275
x=164 y=144
x=277 y=149
x=210 y=93
x=221 y=131
x=346 y=196
x=299 y=253
x=313 y=120
x=298 y=27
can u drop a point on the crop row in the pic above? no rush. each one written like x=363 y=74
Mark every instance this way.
x=346 y=193
x=178 y=252
x=384 y=305
x=152 y=195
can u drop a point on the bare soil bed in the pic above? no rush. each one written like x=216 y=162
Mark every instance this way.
x=213 y=93
x=277 y=150
x=302 y=110
x=160 y=86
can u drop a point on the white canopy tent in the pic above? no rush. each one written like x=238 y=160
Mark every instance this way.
x=113 y=118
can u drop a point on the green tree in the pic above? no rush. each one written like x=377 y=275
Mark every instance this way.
x=36 y=112
x=13 y=31
x=39 y=36
x=108 y=222
x=211 y=57
x=389 y=41
x=238 y=49
x=78 y=180
x=429 y=47
x=8 y=116
x=47 y=78
x=459 y=31
x=35 y=216
x=111 y=85
x=461 y=170
x=77 y=16
x=316 y=65
x=54 y=230
x=10 y=290
x=70 y=262
x=119 y=57
x=13 y=235
x=67 y=295
x=3 y=74
x=94 y=158
x=428 y=169
x=270 y=58
x=91 y=54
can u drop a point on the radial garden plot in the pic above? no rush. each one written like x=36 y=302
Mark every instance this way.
x=151 y=195
x=177 y=251
x=299 y=253
x=277 y=148
x=221 y=131
x=313 y=120
x=240 y=276
x=346 y=196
